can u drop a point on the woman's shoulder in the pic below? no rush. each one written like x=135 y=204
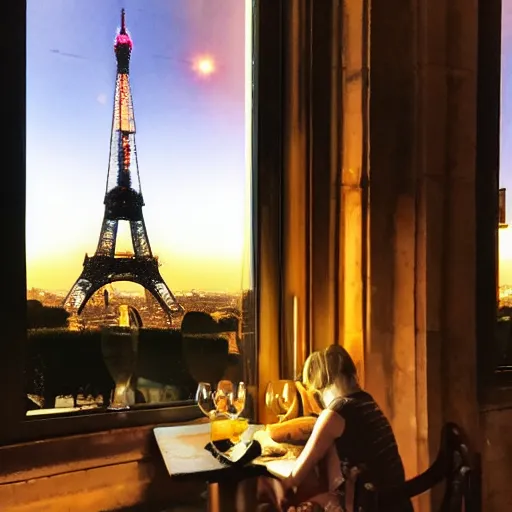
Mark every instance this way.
x=351 y=402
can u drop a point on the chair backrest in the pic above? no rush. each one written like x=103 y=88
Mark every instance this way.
x=460 y=479
x=452 y=466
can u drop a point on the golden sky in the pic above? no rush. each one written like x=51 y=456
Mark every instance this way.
x=206 y=267
x=505 y=251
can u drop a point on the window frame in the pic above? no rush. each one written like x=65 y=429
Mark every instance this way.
x=15 y=426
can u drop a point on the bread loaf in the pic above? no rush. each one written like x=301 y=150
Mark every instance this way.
x=294 y=431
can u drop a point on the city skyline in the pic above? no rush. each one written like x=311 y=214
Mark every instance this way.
x=191 y=137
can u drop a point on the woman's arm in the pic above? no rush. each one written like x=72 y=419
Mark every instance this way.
x=328 y=427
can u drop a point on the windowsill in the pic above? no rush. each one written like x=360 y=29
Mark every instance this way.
x=57 y=412
x=50 y=413
x=35 y=428
x=59 y=455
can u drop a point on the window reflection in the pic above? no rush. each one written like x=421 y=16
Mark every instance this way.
x=151 y=185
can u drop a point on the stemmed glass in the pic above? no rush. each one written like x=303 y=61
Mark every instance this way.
x=223 y=408
x=238 y=399
x=229 y=403
x=205 y=399
x=280 y=396
x=230 y=398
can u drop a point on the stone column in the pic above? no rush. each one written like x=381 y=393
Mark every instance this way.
x=421 y=355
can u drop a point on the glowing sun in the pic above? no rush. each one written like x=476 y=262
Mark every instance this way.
x=204 y=66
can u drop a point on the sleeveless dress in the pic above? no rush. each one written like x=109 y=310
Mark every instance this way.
x=369 y=444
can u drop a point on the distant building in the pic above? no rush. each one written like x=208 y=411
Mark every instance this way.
x=502 y=211
x=503 y=247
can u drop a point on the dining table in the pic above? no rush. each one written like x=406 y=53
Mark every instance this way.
x=183 y=449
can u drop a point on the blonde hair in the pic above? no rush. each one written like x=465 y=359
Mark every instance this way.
x=324 y=368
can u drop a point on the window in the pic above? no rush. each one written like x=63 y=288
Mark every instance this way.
x=504 y=331
x=138 y=156
x=493 y=196
x=298 y=285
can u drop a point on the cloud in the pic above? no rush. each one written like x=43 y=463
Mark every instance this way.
x=101 y=99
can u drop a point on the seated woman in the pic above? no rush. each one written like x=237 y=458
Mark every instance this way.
x=352 y=430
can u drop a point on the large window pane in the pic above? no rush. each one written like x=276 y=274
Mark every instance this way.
x=504 y=327
x=138 y=199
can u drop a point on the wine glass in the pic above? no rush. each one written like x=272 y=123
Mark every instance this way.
x=280 y=396
x=237 y=400
x=222 y=396
x=230 y=398
x=205 y=399
x=229 y=401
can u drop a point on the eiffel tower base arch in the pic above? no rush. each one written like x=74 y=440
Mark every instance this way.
x=99 y=271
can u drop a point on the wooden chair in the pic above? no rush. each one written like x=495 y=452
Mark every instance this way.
x=451 y=466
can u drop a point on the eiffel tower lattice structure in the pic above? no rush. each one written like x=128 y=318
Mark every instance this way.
x=123 y=202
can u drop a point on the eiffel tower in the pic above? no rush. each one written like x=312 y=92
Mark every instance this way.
x=123 y=202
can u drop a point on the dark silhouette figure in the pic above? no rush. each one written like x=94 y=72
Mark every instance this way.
x=39 y=316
